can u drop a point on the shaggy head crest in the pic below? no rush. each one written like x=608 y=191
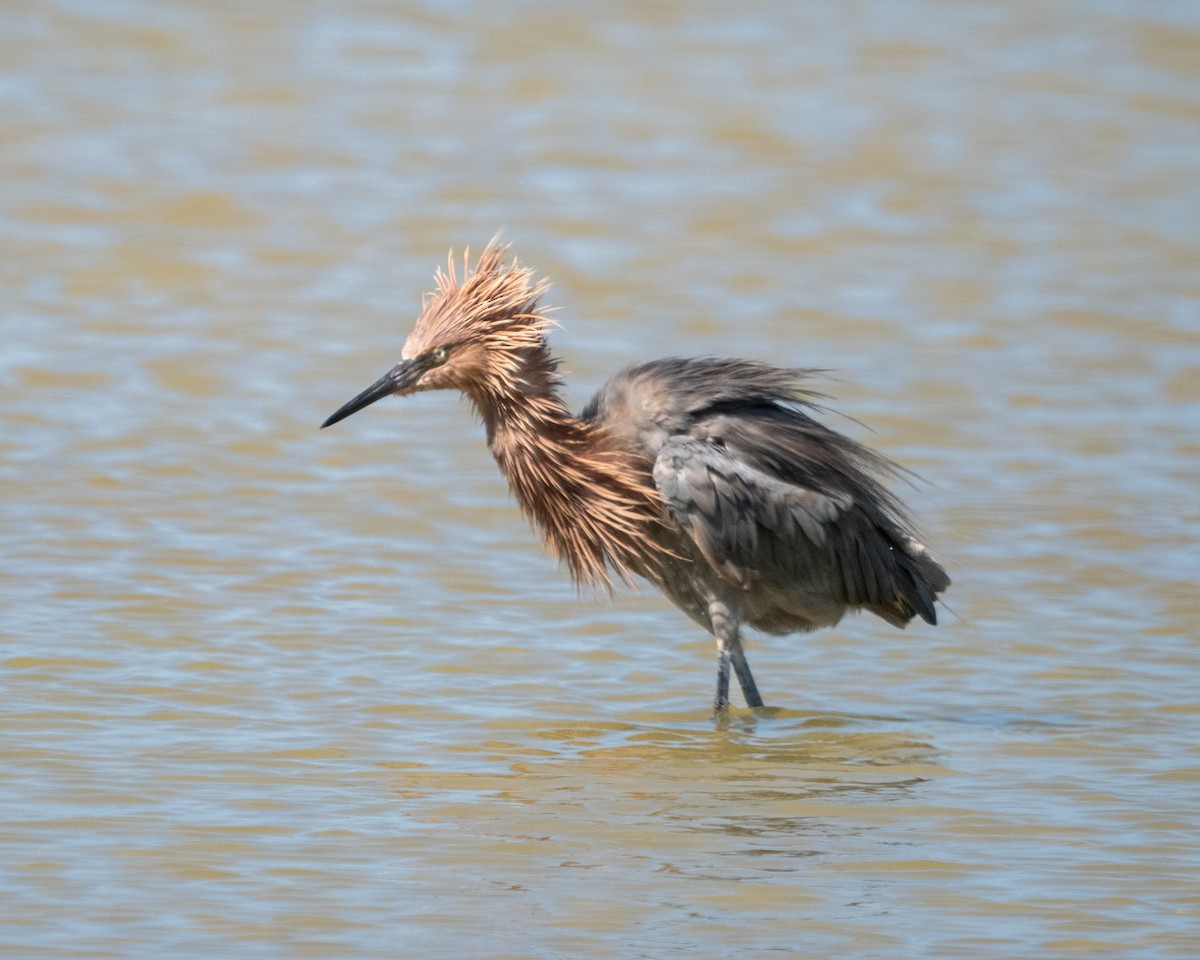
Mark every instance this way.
x=495 y=305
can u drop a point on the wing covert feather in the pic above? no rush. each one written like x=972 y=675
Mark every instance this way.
x=748 y=525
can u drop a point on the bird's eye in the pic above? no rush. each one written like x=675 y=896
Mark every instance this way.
x=439 y=355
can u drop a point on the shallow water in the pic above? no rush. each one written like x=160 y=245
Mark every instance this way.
x=269 y=691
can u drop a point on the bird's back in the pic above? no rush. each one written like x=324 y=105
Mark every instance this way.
x=777 y=514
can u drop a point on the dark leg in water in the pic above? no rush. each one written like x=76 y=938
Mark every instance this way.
x=729 y=651
x=722 y=699
x=745 y=677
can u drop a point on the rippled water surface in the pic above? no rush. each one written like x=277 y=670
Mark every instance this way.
x=271 y=691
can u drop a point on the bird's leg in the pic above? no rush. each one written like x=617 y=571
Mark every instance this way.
x=745 y=677
x=729 y=651
x=721 y=702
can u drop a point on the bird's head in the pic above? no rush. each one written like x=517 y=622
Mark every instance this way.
x=474 y=336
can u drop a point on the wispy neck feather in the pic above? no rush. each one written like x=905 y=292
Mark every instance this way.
x=593 y=503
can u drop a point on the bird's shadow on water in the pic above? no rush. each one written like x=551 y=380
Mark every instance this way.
x=754 y=718
x=753 y=752
x=771 y=722
x=827 y=745
x=771 y=783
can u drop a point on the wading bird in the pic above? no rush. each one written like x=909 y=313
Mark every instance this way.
x=709 y=478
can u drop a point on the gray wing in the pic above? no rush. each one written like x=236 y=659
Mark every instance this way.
x=759 y=531
x=776 y=503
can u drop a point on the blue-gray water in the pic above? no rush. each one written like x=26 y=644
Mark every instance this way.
x=271 y=691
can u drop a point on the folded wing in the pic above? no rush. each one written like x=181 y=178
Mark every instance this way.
x=815 y=552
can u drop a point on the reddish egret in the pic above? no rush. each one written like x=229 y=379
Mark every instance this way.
x=709 y=478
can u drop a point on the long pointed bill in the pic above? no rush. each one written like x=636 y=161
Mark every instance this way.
x=402 y=376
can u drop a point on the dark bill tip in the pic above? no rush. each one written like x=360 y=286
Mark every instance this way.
x=404 y=374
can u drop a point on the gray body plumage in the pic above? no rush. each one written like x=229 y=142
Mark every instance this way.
x=782 y=519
